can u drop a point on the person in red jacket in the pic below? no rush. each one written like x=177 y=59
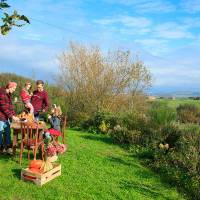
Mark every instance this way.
x=6 y=113
x=39 y=100
x=26 y=97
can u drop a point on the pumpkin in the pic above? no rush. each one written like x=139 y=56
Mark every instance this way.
x=35 y=164
x=35 y=170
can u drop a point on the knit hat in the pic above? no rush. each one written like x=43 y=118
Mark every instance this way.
x=11 y=85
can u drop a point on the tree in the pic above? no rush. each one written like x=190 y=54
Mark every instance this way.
x=95 y=81
x=8 y=21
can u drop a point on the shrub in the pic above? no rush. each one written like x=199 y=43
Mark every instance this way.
x=161 y=115
x=104 y=127
x=100 y=122
x=124 y=136
x=152 y=127
x=181 y=163
x=188 y=113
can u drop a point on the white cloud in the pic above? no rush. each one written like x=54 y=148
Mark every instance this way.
x=134 y=31
x=180 y=69
x=31 y=55
x=171 y=30
x=191 y=22
x=32 y=36
x=146 y=6
x=154 y=46
x=125 y=20
x=191 y=6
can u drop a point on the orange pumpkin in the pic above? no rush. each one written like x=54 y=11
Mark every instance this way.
x=35 y=164
x=35 y=170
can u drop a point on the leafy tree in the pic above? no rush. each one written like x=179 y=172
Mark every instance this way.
x=96 y=81
x=8 y=21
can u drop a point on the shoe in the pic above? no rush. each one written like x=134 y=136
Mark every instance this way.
x=9 y=151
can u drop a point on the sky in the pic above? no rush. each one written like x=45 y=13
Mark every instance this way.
x=165 y=34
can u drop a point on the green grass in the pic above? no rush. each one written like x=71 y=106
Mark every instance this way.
x=92 y=168
x=175 y=103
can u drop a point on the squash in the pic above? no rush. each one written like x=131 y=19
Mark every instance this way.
x=35 y=164
x=35 y=170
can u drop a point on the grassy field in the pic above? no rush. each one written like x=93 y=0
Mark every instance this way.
x=93 y=168
x=175 y=103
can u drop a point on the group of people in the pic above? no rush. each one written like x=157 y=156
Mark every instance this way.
x=35 y=103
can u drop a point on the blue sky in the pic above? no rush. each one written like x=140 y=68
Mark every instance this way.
x=164 y=33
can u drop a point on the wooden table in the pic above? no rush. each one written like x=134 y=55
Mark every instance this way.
x=16 y=126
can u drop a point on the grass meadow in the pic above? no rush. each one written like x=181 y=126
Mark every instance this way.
x=93 y=168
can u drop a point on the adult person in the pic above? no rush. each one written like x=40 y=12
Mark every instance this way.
x=39 y=99
x=6 y=113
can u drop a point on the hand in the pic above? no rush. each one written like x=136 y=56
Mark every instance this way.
x=43 y=110
x=49 y=116
x=15 y=118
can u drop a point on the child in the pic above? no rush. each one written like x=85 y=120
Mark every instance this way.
x=26 y=97
x=55 y=120
x=55 y=147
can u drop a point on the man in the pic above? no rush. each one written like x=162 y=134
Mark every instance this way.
x=39 y=99
x=6 y=113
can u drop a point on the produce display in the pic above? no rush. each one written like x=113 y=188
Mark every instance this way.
x=26 y=116
x=40 y=166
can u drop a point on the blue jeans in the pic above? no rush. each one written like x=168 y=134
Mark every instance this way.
x=37 y=116
x=5 y=129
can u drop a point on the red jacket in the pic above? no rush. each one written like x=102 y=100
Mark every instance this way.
x=6 y=106
x=25 y=96
x=40 y=101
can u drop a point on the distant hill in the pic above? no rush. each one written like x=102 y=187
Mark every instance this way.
x=178 y=94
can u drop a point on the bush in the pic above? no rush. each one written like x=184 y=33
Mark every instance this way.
x=124 y=136
x=161 y=115
x=152 y=126
x=188 y=113
x=100 y=122
x=181 y=162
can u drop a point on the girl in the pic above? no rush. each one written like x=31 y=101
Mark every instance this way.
x=55 y=120
x=26 y=97
x=55 y=147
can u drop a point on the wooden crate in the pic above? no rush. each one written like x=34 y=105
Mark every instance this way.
x=41 y=179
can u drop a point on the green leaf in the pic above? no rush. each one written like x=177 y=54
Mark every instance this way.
x=24 y=18
x=5 y=29
x=6 y=15
x=4 y=5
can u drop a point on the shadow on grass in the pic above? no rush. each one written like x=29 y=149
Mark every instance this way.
x=146 y=190
x=17 y=173
x=118 y=160
x=139 y=169
x=146 y=159
x=101 y=138
x=5 y=157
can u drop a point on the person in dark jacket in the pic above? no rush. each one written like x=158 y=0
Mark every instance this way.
x=6 y=113
x=39 y=100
